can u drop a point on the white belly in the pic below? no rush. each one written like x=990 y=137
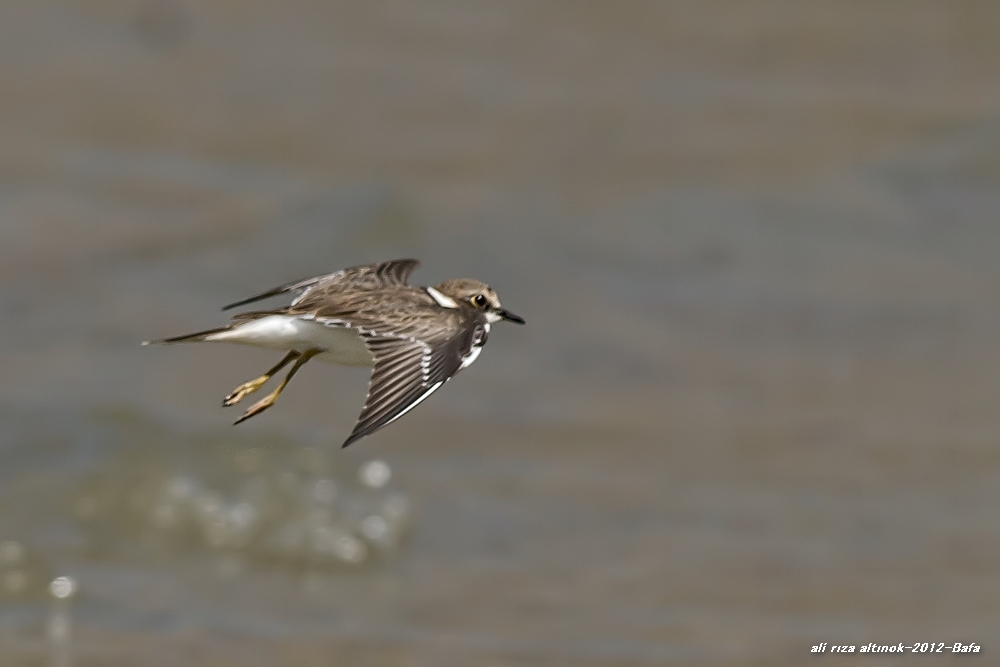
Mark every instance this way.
x=283 y=332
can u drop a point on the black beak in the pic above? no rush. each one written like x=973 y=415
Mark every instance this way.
x=509 y=316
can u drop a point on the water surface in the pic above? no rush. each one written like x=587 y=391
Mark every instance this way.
x=753 y=409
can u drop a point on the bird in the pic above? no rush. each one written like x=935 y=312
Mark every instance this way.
x=414 y=338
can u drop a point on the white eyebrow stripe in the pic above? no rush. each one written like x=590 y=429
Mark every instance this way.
x=442 y=300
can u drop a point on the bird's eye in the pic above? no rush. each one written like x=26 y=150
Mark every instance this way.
x=479 y=300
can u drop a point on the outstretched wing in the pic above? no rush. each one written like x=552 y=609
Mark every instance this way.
x=407 y=370
x=380 y=274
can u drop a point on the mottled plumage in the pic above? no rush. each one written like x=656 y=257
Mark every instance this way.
x=416 y=338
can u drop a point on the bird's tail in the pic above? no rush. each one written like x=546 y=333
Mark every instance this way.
x=188 y=338
x=201 y=336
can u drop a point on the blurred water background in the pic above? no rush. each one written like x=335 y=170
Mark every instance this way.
x=754 y=408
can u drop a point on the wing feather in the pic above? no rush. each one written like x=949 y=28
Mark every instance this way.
x=397 y=381
x=372 y=276
x=407 y=370
x=281 y=289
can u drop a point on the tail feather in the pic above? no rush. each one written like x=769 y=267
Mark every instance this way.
x=200 y=336
x=188 y=338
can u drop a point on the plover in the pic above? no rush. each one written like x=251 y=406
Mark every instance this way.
x=414 y=338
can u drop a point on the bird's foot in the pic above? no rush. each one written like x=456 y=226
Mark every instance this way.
x=258 y=407
x=244 y=390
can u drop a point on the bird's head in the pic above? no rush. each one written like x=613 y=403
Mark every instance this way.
x=474 y=294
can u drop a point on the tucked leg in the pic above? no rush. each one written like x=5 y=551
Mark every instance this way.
x=268 y=401
x=250 y=387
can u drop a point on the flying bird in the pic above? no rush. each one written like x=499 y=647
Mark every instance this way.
x=414 y=338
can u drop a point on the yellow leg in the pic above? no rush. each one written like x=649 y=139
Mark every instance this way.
x=250 y=387
x=268 y=401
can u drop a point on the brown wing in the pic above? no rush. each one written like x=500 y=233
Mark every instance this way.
x=407 y=370
x=401 y=311
x=368 y=276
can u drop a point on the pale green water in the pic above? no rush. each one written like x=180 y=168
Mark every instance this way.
x=754 y=407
